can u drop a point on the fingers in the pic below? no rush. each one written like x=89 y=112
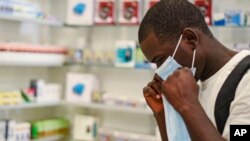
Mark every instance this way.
x=155 y=86
x=158 y=96
x=152 y=89
x=174 y=80
x=157 y=78
x=148 y=91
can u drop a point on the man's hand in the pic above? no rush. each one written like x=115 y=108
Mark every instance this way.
x=152 y=94
x=181 y=90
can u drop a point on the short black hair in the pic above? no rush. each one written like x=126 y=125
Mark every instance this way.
x=170 y=17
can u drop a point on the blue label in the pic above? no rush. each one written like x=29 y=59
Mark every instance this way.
x=80 y=8
x=78 y=89
x=124 y=55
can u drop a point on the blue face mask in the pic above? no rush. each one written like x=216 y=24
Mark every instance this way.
x=171 y=65
x=176 y=128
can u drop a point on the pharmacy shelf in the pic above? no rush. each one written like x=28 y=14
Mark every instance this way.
x=52 y=138
x=103 y=26
x=23 y=19
x=118 y=26
x=38 y=59
x=114 y=108
x=107 y=66
x=229 y=27
x=126 y=134
x=30 y=105
x=96 y=106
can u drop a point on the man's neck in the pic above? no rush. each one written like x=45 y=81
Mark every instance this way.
x=218 y=56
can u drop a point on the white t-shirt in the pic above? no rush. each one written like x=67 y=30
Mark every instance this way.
x=240 y=107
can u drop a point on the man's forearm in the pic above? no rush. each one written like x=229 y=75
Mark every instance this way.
x=160 y=119
x=199 y=125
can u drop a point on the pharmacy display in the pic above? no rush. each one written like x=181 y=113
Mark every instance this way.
x=41 y=77
x=125 y=12
x=84 y=12
x=39 y=91
x=25 y=10
x=20 y=54
x=12 y=130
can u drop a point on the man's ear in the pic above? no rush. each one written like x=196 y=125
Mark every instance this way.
x=190 y=37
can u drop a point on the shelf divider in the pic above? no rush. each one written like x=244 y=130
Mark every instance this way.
x=114 y=108
x=23 y=19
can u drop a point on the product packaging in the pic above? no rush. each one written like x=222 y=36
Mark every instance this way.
x=125 y=53
x=88 y=56
x=129 y=11
x=234 y=18
x=49 y=128
x=103 y=57
x=122 y=100
x=51 y=93
x=98 y=57
x=80 y=87
x=2 y=130
x=206 y=8
x=85 y=128
x=19 y=8
x=219 y=19
x=247 y=20
x=108 y=57
x=11 y=98
x=22 y=131
x=75 y=53
x=43 y=92
x=80 y=12
x=105 y=11
x=107 y=134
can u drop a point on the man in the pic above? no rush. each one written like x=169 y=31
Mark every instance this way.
x=161 y=28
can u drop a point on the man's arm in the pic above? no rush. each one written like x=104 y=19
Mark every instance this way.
x=160 y=119
x=199 y=125
x=152 y=94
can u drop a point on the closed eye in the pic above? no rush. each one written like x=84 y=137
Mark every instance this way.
x=159 y=61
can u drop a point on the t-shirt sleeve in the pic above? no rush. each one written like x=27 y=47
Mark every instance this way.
x=240 y=107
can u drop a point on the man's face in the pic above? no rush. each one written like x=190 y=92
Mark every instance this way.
x=157 y=52
x=154 y=50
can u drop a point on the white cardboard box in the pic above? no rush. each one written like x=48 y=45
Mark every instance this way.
x=80 y=87
x=85 y=128
x=80 y=12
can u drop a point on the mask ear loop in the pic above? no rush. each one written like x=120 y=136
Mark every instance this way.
x=177 y=46
x=193 y=58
